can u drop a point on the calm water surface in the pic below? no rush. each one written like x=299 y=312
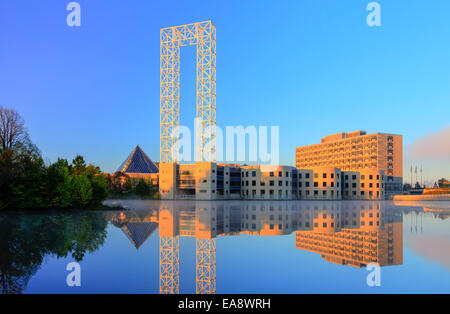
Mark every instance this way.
x=230 y=247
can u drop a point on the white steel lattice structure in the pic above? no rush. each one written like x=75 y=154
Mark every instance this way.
x=206 y=266
x=169 y=265
x=202 y=34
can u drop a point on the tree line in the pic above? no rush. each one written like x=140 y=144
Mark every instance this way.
x=120 y=185
x=27 y=182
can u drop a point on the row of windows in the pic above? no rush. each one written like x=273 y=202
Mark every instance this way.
x=363 y=177
x=263 y=192
x=272 y=174
x=271 y=183
x=363 y=185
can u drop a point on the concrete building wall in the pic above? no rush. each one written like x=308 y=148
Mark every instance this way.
x=320 y=183
x=363 y=185
x=357 y=151
x=209 y=181
x=266 y=182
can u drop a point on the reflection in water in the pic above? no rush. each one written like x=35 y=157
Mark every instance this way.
x=25 y=240
x=347 y=233
x=357 y=235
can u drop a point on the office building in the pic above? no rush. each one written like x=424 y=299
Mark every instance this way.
x=357 y=151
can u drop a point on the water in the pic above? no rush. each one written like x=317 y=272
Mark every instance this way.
x=230 y=247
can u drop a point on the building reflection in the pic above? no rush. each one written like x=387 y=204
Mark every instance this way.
x=355 y=235
x=345 y=233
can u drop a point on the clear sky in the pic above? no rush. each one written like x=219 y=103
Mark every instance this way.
x=311 y=67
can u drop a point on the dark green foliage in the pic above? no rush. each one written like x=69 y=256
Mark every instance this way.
x=99 y=189
x=81 y=191
x=78 y=165
x=26 y=182
x=26 y=240
x=142 y=188
x=59 y=184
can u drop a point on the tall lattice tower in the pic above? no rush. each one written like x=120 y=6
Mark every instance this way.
x=205 y=234
x=202 y=34
x=206 y=266
x=169 y=252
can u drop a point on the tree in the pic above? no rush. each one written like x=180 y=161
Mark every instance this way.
x=81 y=191
x=142 y=188
x=116 y=182
x=12 y=130
x=59 y=185
x=99 y=189
x=78 y=165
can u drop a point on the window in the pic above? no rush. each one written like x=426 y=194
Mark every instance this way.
x=271 y=174
x=324 y=175
x=253 y=183
x=324 y=184
x=307 y=175
x=316 y=184
x=280 y=173
x=272 y=183
x=280 y=183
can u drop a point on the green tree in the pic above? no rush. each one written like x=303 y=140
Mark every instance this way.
x=78 y=165
x=99 y=189
x=22 y=185
x=128 y=185
x=81 y=191
x=59 y=185
x=142 y=188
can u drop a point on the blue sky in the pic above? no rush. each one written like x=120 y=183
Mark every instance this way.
x=311 y=67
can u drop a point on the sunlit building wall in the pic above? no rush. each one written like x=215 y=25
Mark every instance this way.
x=357 y=151
x=375 y=238
x=368 y=184
x=201 y=181
x=266 y=182
x=320 y=183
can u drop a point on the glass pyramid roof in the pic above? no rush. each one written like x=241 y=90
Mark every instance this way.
x=138 y=232
x=138 y=162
